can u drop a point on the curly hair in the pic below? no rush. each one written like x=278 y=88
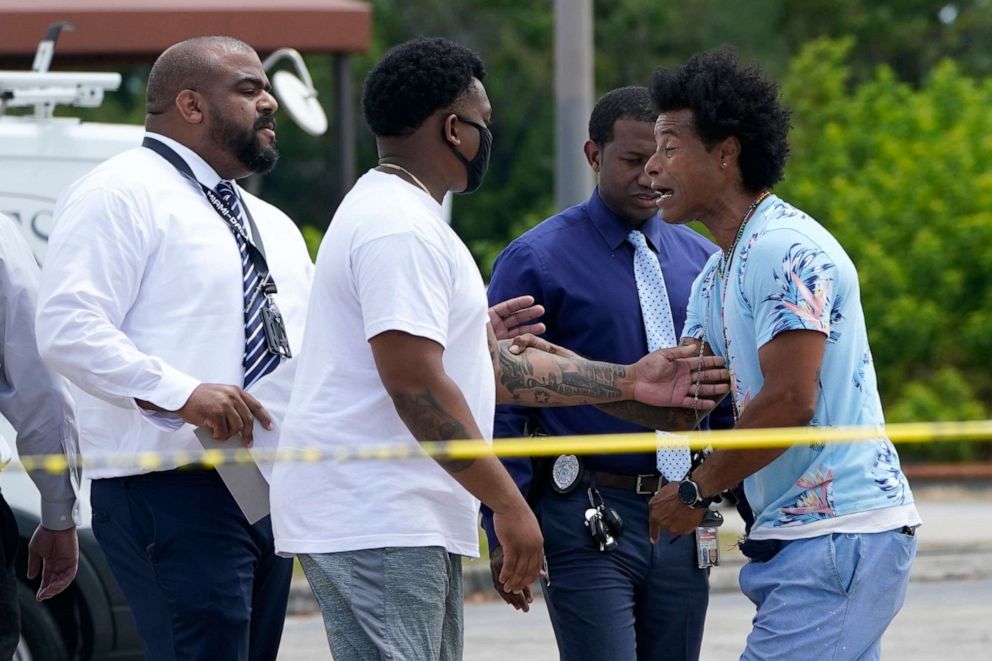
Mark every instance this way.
x=728 y=99
x=414 y=80
x=632 y=102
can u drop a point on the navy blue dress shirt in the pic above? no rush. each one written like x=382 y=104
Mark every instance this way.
x=580 y=267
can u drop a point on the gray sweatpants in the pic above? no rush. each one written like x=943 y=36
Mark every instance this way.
x=393 y=604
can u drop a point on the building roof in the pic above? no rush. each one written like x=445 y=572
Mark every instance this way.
x=141 y=29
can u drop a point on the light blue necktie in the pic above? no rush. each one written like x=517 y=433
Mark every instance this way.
x=673 y=463
x=258 y=361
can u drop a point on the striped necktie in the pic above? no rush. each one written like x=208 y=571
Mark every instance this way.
x=258 y=361
x=673 y=462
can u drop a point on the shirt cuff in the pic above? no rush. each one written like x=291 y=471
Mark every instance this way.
x=163 y=420
x=172 y=393
x=490 y=529
x=59 y=516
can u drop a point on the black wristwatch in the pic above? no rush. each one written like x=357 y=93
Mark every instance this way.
x=690 y=497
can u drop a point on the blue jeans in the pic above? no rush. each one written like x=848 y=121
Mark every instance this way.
x=828 y=598
x=640 y=601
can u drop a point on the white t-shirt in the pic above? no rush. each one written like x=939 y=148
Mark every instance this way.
x=388 y=262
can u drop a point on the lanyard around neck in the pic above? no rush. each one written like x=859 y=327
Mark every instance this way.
x=256 y=250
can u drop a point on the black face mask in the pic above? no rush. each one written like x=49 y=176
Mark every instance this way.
x=475 y=170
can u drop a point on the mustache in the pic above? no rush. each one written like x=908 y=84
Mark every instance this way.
x=266 y=122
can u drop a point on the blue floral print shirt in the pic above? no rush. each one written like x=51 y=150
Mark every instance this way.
x=788 y=273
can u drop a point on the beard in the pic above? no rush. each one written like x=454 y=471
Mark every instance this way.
x=245 y=145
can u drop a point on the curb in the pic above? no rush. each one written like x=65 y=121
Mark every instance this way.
x=948 y=472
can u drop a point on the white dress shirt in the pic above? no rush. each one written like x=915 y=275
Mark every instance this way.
x=141 y=298
x=34 y=399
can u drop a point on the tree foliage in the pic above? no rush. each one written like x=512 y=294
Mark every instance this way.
x=891 y=140
x=899 y=174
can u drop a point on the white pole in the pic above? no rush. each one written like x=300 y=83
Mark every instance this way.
x=573 y=100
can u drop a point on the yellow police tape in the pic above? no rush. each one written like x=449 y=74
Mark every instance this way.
x=741 y=439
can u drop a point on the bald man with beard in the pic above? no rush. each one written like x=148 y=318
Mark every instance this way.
x=150 y=304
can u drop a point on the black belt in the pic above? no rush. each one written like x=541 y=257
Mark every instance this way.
x=763 y=550
x=642 y=485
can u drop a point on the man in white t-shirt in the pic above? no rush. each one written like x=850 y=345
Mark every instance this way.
x=399 y=351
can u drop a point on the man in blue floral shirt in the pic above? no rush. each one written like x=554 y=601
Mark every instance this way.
x=834 y=531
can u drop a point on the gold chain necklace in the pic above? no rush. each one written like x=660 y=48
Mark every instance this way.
x=729 y=252
x=402 y=169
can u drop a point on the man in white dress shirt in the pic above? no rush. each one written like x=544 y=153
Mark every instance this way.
x=150 y=303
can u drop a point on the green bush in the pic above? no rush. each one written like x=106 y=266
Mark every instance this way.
x=900 y=176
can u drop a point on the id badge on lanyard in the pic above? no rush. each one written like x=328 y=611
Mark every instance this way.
x=273 y=324
x=707 y=546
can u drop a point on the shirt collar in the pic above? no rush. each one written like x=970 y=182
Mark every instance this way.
x=205 y=174
x=614 y=229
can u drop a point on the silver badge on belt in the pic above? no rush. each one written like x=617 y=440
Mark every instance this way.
x=565 y=473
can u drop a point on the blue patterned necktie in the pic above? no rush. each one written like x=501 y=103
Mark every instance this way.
x=673 y=462
x=258 y=360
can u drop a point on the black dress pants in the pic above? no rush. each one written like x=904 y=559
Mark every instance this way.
x=201 y=581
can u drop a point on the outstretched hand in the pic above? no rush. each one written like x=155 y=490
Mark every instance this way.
x=510 y=318
x=55 y=553
x=680 y=377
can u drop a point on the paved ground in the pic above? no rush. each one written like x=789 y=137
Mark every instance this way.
x=948 y=612
x=946 y=619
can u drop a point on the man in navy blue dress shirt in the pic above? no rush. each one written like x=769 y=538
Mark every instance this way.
x=637 y=601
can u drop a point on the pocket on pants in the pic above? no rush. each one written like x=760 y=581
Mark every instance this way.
x=845 y=555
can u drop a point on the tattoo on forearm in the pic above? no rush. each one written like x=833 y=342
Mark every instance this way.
x=493 y=344
x=428 y=421
x=566 y=380
x=652 y=417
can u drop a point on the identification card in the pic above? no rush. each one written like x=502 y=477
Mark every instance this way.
x=275 y=329
x=707 y=547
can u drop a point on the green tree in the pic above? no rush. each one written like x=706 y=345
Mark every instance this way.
x=899 y=175
x=889 y=150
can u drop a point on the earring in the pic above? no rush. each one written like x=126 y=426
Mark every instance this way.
x=724 y=164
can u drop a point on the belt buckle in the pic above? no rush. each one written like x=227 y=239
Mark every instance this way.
x=639 y=490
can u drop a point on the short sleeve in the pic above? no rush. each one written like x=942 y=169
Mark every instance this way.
x=404 y=283
x=791 y=284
